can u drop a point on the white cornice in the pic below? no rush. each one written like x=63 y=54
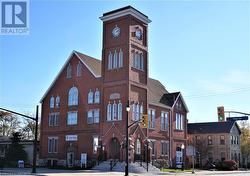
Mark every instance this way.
x=124 y=13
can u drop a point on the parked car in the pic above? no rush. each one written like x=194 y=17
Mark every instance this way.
x=209 y=165
x=229 y=165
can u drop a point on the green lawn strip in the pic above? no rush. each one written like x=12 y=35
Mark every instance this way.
x=175 y=170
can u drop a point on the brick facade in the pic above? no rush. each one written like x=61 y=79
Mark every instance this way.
x=121 y=84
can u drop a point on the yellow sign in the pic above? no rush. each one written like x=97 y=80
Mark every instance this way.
x=144 y=121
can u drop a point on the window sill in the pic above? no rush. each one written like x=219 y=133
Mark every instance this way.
x=179 y=130
x=136 y=69
x=114 y=120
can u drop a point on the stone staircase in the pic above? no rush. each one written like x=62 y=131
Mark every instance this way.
x=120 y=166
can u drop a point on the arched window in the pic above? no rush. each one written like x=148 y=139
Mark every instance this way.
x=52 y=102
x=90 y=97
x=79 y=69
x=109 y=112
x=137 y=112
x=134 y=112
x=73 y=96
x=119 y=110
x=114 y=116
x=97 y=96
x=110 y=61
x=69 y=71
x=120 y=61
x=141 y=61
x=141 y=111
x=138 y=147
x=57 y=101
x=115 y=60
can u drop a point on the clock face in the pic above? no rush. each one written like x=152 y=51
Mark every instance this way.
x=138 y=34
x=116 y=31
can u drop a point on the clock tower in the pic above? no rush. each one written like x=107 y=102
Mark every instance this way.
x=125 y=64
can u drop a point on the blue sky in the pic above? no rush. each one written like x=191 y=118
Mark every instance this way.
x=201 y=48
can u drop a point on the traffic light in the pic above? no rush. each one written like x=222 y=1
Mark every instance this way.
x=221 y=116
x=144 y=121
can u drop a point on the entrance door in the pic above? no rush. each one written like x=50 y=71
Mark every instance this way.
x=114 y=149
x=70 y=159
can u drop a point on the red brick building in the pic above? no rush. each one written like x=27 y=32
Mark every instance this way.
x=84 y=109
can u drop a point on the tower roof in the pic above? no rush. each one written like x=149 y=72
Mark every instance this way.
x=128 y=10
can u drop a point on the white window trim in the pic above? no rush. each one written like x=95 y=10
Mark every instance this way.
x=76 y=117
x=97 y=96
x=52 y=102
x=164 y=117
x=151 y=121
x=55 y=138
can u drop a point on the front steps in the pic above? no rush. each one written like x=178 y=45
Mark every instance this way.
x=120 y=167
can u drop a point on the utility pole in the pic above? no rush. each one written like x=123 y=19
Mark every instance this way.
x=35 y=143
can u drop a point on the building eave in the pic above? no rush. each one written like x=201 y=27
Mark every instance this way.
x=63 y=67
x=129 y=11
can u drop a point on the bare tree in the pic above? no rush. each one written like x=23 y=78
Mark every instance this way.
x=28 y=131
x=245 y=141
x=9 y=123
x=201 y=146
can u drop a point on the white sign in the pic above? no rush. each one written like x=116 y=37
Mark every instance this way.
x=71 y=138
x=190 y=151
x=114 y=96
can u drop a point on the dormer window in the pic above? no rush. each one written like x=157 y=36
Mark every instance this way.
x=52 y=102
x=69 y=71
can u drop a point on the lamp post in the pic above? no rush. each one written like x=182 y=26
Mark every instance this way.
x=182 y=148
x=127 y=143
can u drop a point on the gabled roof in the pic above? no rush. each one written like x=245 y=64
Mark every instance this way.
x=211 y=127
x=170 y=99
x=155 y=91
x=93 y=65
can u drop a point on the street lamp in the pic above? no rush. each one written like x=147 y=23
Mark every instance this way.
x=127 y=143
x=182 y=148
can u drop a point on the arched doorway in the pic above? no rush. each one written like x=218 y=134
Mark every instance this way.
x=138 y=150
x=114 y=148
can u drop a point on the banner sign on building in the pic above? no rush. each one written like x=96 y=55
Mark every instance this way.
x=71 y=138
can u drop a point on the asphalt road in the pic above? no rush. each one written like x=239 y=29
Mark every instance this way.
x=55 y=172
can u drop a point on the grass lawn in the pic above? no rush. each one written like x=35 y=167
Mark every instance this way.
x=176 y=170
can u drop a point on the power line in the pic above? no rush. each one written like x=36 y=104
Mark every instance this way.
x=235 y=91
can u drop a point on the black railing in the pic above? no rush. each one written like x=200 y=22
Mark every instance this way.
x=113 y=163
